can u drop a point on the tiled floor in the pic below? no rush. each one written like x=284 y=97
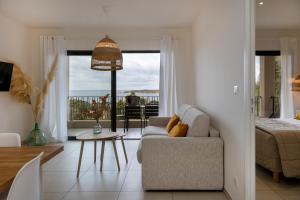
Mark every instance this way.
x=59 y=177
x=267 y=189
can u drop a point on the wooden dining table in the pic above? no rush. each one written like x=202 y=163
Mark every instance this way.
x=13 y=158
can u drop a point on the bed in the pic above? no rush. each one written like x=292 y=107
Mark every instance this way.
x=278 y=146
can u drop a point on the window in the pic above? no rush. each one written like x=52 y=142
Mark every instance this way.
x=86 y=82
x=140 y=74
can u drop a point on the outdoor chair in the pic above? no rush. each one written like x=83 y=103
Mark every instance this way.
x=150 y=111
x=132 y=112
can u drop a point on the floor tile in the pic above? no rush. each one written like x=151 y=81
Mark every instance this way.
x=70 y=163
x=96 y=181
x=52 y=161
x=290 y=197
x=287 y=188
x=135 y=165
x=199 y=195
x=53 y=195
x=288 y=193
x=110 y=164
x=287 y=185
x=145 y=196
x=92 y=196
x=58 y=181
x=260 y=185
x=267 y=195
x=133 y=182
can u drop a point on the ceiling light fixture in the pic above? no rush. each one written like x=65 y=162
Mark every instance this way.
x=107 y=56
x=261 y=3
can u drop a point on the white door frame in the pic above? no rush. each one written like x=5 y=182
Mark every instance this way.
x=249 y=106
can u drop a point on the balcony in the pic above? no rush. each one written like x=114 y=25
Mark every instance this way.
x=79 y=106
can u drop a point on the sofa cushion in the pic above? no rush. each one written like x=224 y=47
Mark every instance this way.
x=179 y=130
x=154 y=130
x=172 y=122
x=197 y=121
x=182 y=110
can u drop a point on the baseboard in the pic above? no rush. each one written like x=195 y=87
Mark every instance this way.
x=227 y=194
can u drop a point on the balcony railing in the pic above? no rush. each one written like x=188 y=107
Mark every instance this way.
x=79 y=106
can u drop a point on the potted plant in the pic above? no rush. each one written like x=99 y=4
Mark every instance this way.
x=97 y=111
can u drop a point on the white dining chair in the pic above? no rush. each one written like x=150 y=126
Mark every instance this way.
x=10 y=140
x=27 y=183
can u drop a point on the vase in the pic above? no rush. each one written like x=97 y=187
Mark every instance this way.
x=97 y=129
x=36 y=137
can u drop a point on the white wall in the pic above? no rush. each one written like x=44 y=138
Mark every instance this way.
x=269 y=39
x=14 y=117
x=218 y=38
x=128 y=39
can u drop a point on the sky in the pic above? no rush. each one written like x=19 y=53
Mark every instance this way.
x=140 y=71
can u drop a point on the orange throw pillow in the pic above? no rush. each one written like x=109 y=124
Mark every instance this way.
x=172 y=122
x=297 y=116
x=180 y=130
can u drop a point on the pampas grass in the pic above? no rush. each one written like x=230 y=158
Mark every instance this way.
x=21 y=86
x=22 y=89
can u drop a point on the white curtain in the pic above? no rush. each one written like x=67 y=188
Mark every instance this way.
x=167 y=88
x=289 y=61
x=54 y=118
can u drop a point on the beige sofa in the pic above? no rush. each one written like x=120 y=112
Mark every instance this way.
x=194 y=162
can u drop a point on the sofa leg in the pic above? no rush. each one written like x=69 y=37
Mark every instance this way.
x=276 y=177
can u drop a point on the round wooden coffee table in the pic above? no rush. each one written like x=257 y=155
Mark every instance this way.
x=101 y=137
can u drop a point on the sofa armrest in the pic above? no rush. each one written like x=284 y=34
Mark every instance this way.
x=159 y=121
x=182 y=163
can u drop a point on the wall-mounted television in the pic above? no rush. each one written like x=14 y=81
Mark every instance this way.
x=6 y=70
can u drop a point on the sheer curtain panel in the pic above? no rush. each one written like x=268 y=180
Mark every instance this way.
x=289 y=62
x=54 y=118
x=167 y=88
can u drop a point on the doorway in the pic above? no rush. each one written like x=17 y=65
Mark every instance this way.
x=267 y=84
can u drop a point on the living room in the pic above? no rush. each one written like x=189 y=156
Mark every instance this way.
x=208 y=50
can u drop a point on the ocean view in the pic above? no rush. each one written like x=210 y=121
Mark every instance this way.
x=81 y=93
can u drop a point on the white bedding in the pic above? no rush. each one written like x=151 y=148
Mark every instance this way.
x=287 y=135
x=277 y=125
x=291 y=121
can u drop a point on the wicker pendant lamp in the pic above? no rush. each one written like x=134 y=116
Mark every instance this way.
x=107 y=56
x=296 y=84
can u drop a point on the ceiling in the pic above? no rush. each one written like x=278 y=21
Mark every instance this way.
x=278 y=14
x=274 y=14
x=95 y=13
